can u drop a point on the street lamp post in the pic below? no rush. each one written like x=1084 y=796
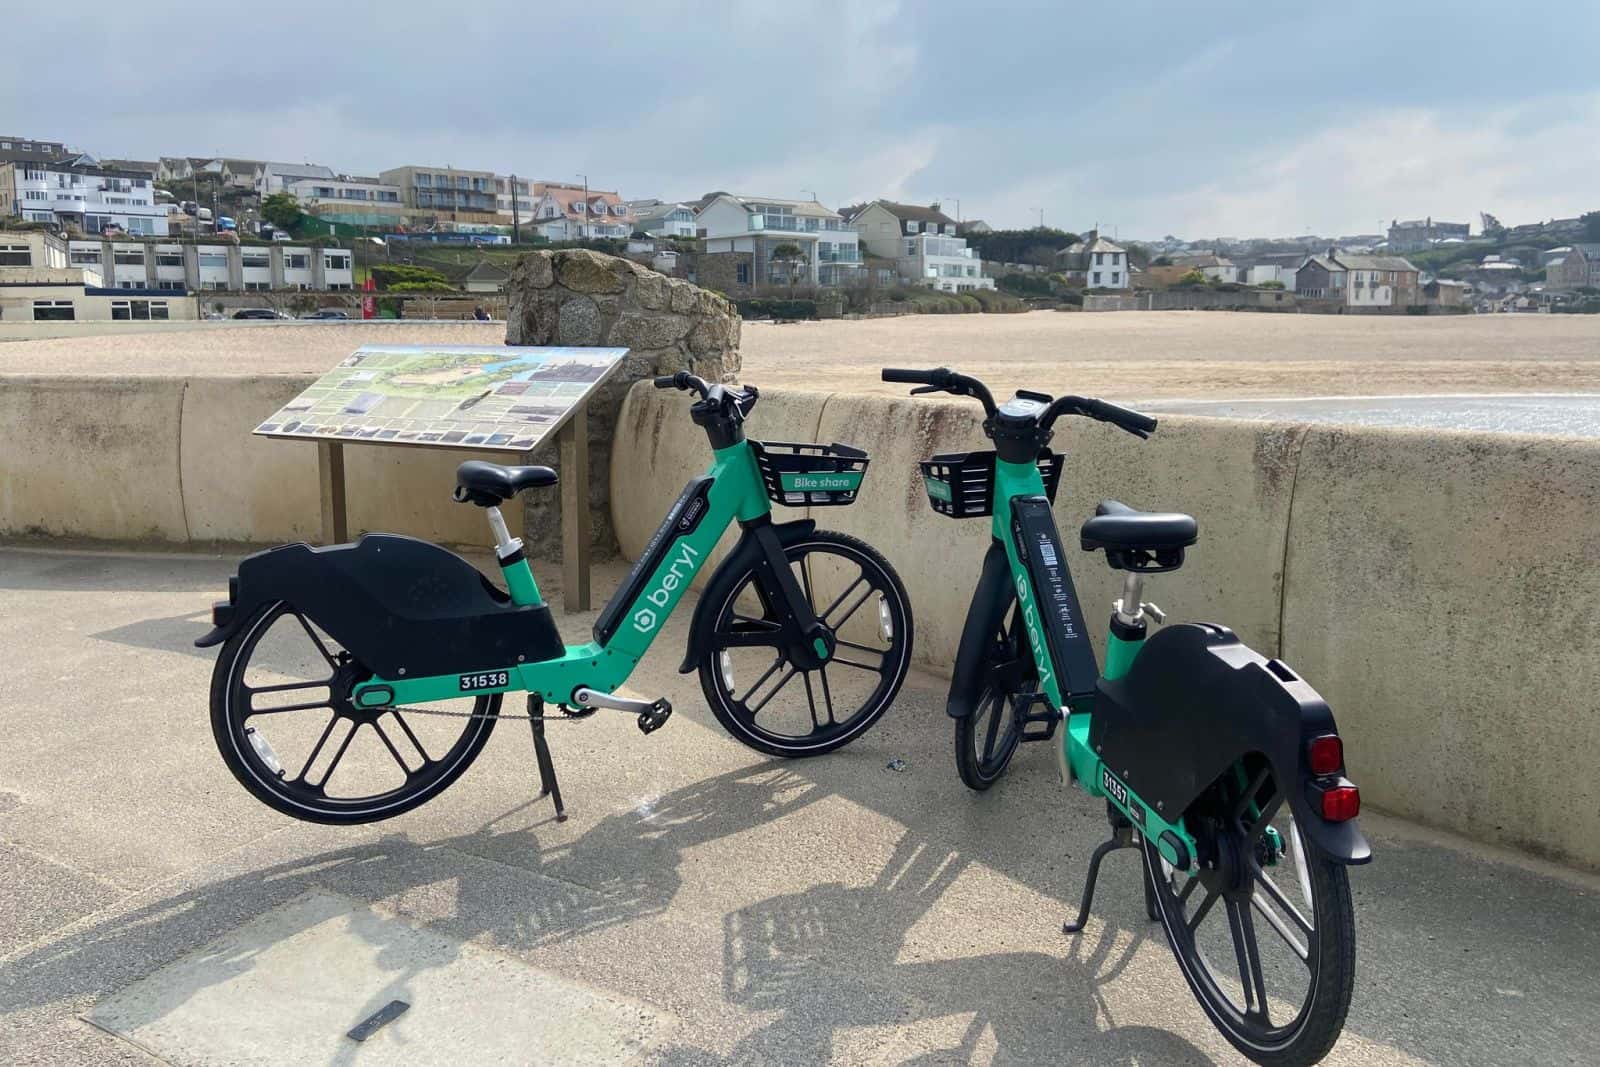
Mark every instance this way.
x=583 y=227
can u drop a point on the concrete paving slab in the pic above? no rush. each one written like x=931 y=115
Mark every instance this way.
x=290 y=985
x=827 y=910
x=38 y=895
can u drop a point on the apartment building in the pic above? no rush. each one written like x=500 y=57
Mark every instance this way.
x=922 y=242
x=173 y=267
x=74 y=192
x=746 y=235
x=30 y=150
x=39 y=284
x=513 y=199
x=353 y=201
x=444 y=193
x=567 y=212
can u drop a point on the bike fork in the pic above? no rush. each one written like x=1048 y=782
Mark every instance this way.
x=1122 y=836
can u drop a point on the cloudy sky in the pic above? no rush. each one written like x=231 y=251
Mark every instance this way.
x=1200 y=119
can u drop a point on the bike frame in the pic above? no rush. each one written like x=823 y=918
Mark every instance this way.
x=732 y=491
x=1018 y=481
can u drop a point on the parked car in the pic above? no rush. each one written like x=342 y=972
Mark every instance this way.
x=257 y=313
x=281 y=235
x=328 y=315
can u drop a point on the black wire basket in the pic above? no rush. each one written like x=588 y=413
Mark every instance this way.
x=961 y=484
x=805 y=475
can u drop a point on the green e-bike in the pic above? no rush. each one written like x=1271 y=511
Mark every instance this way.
x=1221 y=766
x=358 y=681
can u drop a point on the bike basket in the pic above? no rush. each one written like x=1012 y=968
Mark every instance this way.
x=816 y=475
x=961 y=484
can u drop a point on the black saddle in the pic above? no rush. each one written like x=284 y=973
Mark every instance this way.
x=489 y=484
x=1139 y=540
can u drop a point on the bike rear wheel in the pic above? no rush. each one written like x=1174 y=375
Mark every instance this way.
x=770 y=705
x=285 y=725
x=1265 y=938
x=988 y=737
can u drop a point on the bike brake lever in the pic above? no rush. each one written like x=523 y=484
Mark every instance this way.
x=919 y=390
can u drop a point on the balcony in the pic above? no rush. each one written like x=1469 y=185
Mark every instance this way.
x=852 y=254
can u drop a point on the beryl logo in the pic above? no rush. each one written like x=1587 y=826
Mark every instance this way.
x=1030 y=619
x=679 y=572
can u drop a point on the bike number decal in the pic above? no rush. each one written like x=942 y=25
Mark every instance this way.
x=485 y=680
x=1114 y=789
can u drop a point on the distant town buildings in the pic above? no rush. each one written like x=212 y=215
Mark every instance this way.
x=1418 y=234
x=70 y=191
x=446 y=193
x=755 y=241
x=564 y=211
x=1358 y=281
x=1578 y=267
x=30 y=150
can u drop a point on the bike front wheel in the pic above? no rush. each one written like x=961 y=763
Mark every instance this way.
x=285 y=725
x=988 y=737
x=1265 y=937
x=766 y=702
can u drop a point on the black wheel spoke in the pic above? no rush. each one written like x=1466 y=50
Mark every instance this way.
x=827 y=695
x=316 y=750
x=406 y=727
x=785 y=680
x=841 y=642
x=279 y=709
x=388 y=744
x=315 y=640
x=996 y=707
x=1242 y=806
x=751 y=638
x=1203 y=910
x=811 y=701
x=851 y=588
x=1249 y=959
x=770 y=671
x=858 y=666
x=1272 y=890
x=1276 y=922
x=1187 y=890
x=288 y=687
x=339 y=755
x=839 y=624
x=1265 y=816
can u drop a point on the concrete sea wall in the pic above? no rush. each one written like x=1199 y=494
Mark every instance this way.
x=1441 y=590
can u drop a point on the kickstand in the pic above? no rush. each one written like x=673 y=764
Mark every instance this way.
x=1121 y=837
x=548 y=786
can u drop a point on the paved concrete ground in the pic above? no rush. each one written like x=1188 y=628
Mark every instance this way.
x=1544 y=413
x=786 y=913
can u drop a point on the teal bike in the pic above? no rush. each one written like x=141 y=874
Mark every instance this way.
x=1220 y=766
x=358 y=681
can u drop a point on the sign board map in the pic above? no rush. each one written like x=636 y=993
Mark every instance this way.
x=455 y=396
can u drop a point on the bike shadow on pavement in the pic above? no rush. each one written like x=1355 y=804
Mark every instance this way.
x=827 y=959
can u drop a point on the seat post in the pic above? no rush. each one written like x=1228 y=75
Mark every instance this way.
x=505 y=546
x=1129 y=609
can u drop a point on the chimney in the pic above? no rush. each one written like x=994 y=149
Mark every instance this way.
x=1332 y=251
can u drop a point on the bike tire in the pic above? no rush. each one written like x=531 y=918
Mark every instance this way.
x=717 y=675
x=988 y=737
x=1316 y=1024
x=230 y=698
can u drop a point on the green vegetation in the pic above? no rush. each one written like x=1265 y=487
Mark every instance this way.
x=282 y=210
x=1192 y=276
x=761 y=308
x=995 y=302
x=400 y=277
x=1025 y=284
x=1038 y=246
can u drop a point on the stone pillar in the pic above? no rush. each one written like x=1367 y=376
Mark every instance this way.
x=576 y=297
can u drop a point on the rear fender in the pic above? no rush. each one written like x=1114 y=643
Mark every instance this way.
x=745 y=555
x=991 y=602
x=1195 y=702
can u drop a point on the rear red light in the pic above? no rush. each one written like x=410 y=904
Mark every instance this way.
x=1325 y=754
x=1341 y=803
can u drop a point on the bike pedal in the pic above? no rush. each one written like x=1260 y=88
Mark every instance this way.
x=1048 y=718
x=655 y=716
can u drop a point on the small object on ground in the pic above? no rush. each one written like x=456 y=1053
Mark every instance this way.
x=378 y=1020
x=898 y=765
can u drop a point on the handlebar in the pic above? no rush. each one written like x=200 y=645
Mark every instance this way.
x=943 y=379
x=741 y=400
x=685 y=381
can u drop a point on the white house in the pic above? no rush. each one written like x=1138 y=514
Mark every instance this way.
x=566 y=212
x=355 y=201
x=661 y=218
x=1096 y=263
x=923 y=243
x=754 y=227
x=74 y=193
x=277 y=177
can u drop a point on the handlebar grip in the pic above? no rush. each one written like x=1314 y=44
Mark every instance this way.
x=667 y=381
x=916 y=377
x=1128 y=419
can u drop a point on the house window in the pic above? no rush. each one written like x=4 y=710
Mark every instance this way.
x=128 y=257
x=300 y=261
x=335 y=262
x=1097 y=277
x=254 y=258
x=53 y=311
x=165 y=259
x=83 y=257
x=912 y=225
x=1116 y=277
x=138 y=310
x=16 y=256
x=741 y=273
